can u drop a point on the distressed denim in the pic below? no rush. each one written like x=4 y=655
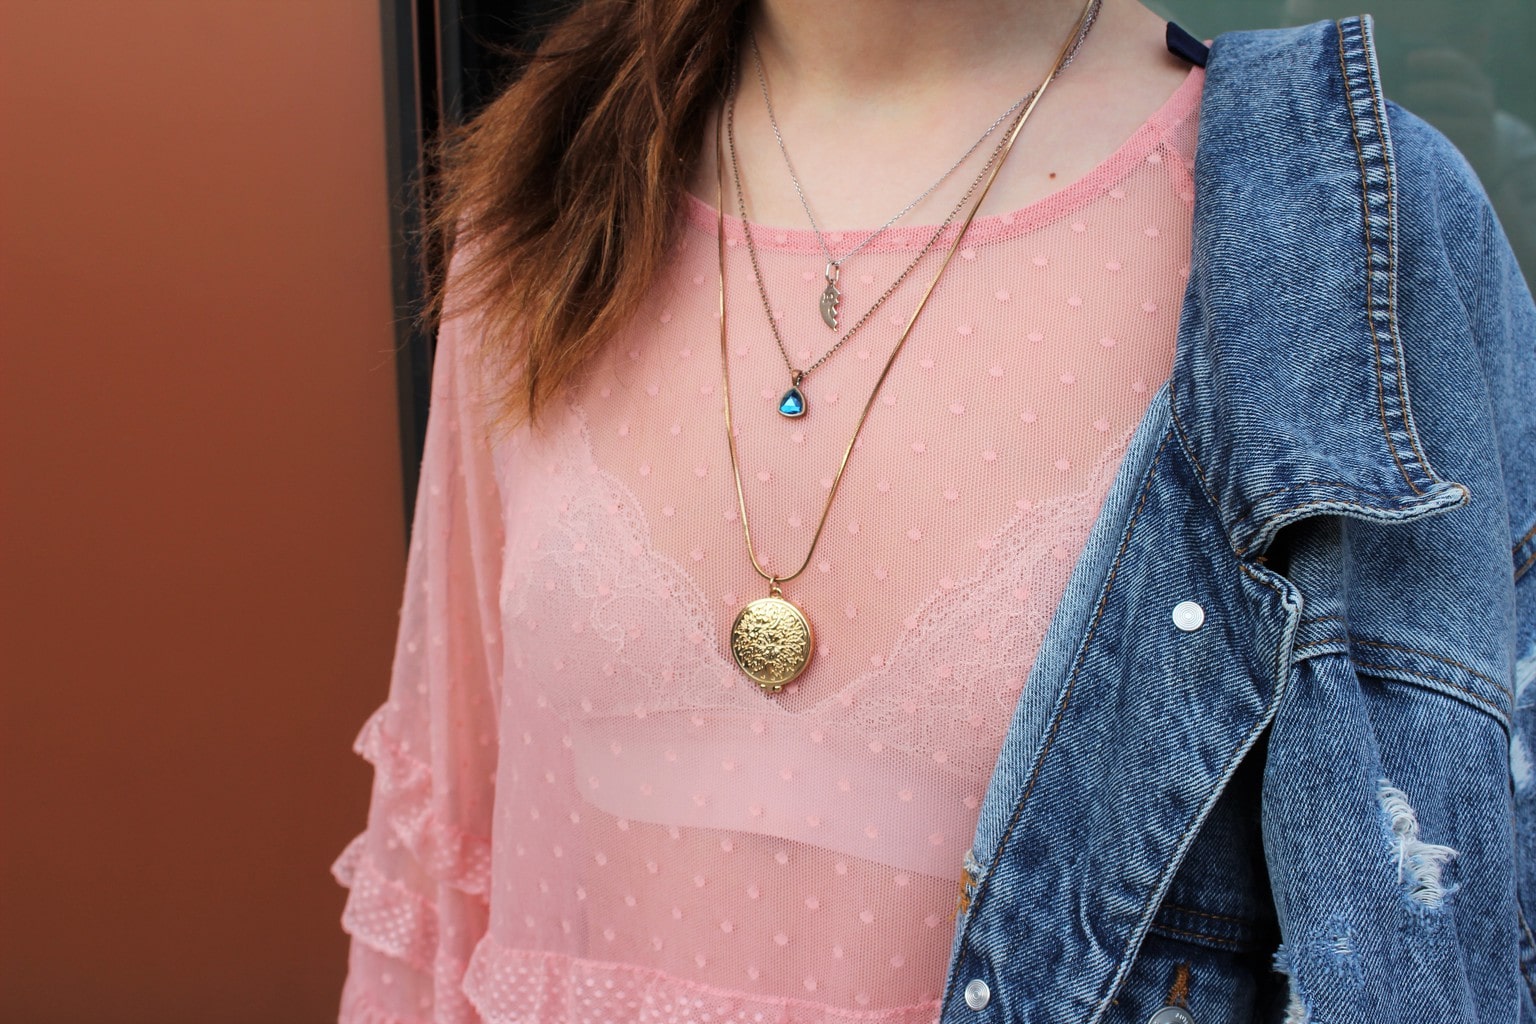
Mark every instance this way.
x=1315 y=802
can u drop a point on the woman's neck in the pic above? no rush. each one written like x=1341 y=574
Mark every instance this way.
x=877 y=101
x=857 y=47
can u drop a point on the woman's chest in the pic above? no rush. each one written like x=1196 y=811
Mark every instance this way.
x=930 y=574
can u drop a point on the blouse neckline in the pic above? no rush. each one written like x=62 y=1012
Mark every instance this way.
x=1142 y=146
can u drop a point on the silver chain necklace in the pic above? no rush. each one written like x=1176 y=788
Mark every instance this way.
x=793 y=404
x=830 y=300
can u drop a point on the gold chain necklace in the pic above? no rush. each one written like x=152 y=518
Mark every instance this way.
x=830 y=301
x=771 y=638
x=793 y=403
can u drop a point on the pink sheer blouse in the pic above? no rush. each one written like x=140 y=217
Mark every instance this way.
x=583 y=811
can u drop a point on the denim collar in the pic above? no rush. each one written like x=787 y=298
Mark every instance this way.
x=1288 y=388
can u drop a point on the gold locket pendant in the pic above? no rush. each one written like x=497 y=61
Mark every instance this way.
x=771 y=638
x=772 y=641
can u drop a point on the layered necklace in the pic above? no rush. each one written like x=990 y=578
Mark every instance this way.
x=793 y=403
x=829 y=303
x=771 y=638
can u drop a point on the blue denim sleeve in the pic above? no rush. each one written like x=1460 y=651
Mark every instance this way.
x=1498 y=310
x=1507 y=345
x=1501 y=319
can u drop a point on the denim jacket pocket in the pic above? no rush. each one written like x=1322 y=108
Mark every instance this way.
x=1211 y=944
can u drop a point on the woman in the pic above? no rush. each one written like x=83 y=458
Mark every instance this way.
x=1148 y=656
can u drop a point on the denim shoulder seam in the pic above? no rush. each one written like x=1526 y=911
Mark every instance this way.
x=1406 y=648
x=1440 y=683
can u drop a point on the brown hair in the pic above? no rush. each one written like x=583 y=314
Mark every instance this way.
x=560 y=200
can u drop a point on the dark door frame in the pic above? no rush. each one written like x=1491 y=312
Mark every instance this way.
x=443 y=61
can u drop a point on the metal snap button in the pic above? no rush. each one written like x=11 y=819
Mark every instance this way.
x=1171 y=1015
x=977 y=994
x=1188 y=616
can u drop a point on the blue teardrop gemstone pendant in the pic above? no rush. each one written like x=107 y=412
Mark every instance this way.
x=792 y=405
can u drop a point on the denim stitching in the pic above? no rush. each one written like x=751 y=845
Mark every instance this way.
x=1237 y=945
x=1393 y=341
x=1498 y=712
x=1400 y=358
x=1370 y=250
x=1525 y=566
x=984 y=886
x=1343 y=506
x=1530 y=942
x=1449 y=661
x=1204 y=913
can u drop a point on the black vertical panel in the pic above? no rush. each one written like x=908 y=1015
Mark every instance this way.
x=411 y=117
x=487 y=31
x=443 y=61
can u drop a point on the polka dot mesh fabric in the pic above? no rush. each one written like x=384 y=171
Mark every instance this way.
x=583 y=811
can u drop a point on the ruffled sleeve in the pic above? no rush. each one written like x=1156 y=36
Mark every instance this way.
x=419 y=874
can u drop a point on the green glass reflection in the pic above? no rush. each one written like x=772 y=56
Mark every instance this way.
x=1462 y=65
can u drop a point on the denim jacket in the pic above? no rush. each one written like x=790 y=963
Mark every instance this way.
x=1273 y=760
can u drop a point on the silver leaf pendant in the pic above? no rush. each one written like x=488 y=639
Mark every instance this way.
x=831 y=298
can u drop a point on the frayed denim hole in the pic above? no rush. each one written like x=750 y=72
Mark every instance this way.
x=1419 y=864
x=1521 y=771
x=1525 y=674
x=1296 y=1010
x=1335 y=952
x=1328 y=958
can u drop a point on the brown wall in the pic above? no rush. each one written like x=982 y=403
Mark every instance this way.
x=202 y=537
